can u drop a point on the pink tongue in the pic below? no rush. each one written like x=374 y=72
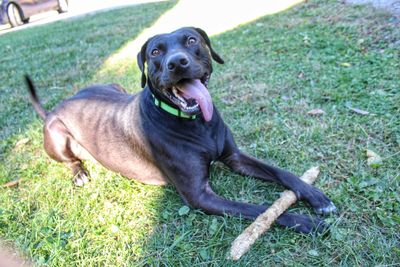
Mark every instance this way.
x=196 y=90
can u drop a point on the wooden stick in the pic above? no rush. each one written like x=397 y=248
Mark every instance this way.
x=264 y=221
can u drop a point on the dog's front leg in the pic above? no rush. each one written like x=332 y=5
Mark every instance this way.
x=196 y=192
x=247 y=165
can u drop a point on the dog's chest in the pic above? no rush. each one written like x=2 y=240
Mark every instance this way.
x=177 y=143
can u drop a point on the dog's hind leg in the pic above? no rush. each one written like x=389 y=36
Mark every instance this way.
x=61 y=146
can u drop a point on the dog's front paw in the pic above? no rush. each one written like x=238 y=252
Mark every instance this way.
x=319 y=201
x=81 y=178
x=330 y=208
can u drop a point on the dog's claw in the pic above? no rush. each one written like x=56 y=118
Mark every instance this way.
x=81 y=179
x=331 y=208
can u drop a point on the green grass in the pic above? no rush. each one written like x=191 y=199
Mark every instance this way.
x=321 y=54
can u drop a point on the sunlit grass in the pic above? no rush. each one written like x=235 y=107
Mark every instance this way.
x=206 y=15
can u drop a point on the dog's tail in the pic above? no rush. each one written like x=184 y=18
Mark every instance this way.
x=35 y=101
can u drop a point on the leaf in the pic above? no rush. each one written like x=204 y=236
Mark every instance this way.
x=316 y=112
x=203 y=254
x=213 y=227
x=370 y=182
x=338 y=234
x=114 y=229
x=345 y=64
x=313 y=252
x=165 y=214
x=21 y=142
x=11 y=184
x=183 y=210
x=359 y=111
x=373 y=159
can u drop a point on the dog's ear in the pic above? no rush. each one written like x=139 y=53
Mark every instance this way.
x=141 y=59
x=214 y=55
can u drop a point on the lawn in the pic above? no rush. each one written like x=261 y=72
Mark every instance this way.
x=317 y=55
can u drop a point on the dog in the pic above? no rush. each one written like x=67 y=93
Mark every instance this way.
x=170 y=132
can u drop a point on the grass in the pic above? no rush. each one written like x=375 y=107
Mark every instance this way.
x=277 y=69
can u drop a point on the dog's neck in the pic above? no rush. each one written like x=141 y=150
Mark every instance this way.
x=163 y=110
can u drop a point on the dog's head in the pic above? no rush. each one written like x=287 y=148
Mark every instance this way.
x=179 y=68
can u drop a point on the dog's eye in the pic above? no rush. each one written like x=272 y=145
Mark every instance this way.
x=191 y=41
x=155 y=52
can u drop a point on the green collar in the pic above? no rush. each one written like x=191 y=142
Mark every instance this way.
x=171 y=110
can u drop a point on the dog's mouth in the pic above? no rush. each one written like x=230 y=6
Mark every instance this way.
x=192 y=96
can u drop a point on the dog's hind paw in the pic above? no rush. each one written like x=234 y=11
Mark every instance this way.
x=303 y=223
x=81 y=179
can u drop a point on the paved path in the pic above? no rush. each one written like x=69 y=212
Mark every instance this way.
x=76 y=8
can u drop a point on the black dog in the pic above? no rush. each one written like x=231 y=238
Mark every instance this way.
x=168 y=133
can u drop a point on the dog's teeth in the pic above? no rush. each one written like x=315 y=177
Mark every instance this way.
x=181 y=99
x=190 y=108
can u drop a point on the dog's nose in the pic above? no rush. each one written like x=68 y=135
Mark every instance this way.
x=178 y=62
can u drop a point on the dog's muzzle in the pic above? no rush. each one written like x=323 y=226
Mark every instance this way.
x=189 y=92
